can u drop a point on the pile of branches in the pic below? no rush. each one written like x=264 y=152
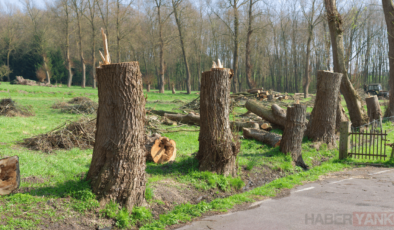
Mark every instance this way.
x=10 y=108
x=80 y=134
x=77 y=105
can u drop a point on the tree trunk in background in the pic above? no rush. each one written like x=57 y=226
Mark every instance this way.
x=373 y=107
x=294 y=133
x=47 y=71
x=117 y=171
x=188 y=77
x=388 y=9
x=161 y=42
x=217 y=150
x=236 y=46
x=322 y=123
x=148 y=88
x=357 y=113
x=249 y=79
x=341 y=114
x=307 y=80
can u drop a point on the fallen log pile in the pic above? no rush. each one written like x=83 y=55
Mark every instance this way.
x=268 y=138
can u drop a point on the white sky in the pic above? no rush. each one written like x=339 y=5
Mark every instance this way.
x=19 y=3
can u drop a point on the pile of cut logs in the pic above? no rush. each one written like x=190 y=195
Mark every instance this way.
x=267 y=95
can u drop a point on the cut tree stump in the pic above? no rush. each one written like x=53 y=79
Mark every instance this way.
x=373 y=107
x=160 y=149
x=217 y=148
x=173 y=89
x=266 y=114
x=163 y=150
x=9 y=175
x=322 y=123
x=117 y=171
x=294 y=133
x=263 y=136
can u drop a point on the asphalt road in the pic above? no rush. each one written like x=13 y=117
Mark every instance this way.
x=358 y=199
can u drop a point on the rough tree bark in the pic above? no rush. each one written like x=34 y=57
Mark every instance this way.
x=341 y=114
x=9 y=175
x=117 y=171
x=173 y=89
x=294 y=133
x=373 y=107
x=322 y=123
x=147 y=87
x=388 y=9
x=217 y=150
x=357 y=113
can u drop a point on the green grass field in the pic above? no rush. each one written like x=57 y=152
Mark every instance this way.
x=54 y=193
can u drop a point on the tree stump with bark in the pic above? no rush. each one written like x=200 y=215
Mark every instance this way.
x=148 y=88
x=9 y=175
x=274 y=117
x=117 y=171
x=294 y=133
x=373 y=107
x=322 y=124
x=173 y=89
x=217 y=150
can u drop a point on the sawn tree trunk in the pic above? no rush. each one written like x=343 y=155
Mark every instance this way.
x=117 y=171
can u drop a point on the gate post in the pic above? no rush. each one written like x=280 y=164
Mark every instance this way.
x=344 y=139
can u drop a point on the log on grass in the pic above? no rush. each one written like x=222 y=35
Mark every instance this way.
x=373 y=107
x=266 y=114
x=193 y=119
x=265 y=137
x=254 y=91
x=9 y=175
x=160 y=112
x=266 y=126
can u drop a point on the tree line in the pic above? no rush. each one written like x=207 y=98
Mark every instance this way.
x=278 y=46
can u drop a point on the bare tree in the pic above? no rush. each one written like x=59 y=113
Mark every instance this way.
x=91 y=4
x=388 y=9
x=248 y=66
x=79 y=7
x=177 y=14
x=357 y=112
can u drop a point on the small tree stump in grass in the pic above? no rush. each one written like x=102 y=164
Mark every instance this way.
x=217 y=148
x=373 y=107
x=294 y=133
x=9 y=175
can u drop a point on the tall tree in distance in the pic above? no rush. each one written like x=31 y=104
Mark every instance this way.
x=91 y=16
x=178 y=14
x=248 y=66
x=313 y=18
x=388 y=9
x=357 y=112
x=79 y=7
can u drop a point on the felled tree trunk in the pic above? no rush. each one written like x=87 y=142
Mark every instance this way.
x=263 y=136
x=117 y=171
x=266 y=114
x=193 y=119
x=321 y=126
x=294 y=133
x=217 y=150
x=373 y=107
x=9 y=175
x=280 y=114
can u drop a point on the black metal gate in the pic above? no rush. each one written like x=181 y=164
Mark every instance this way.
x=368 y=144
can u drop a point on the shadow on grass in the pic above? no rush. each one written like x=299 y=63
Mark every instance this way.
x=182 y=166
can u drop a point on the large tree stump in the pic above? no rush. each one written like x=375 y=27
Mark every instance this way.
x=263 y=136
x=217 y=150
x=294 y=133
x=321 y=126
x=9 y=175
x=117 y=171
x=373 y=107
x=160 y=149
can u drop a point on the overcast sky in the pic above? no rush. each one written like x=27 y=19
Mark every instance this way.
x=38 y=3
